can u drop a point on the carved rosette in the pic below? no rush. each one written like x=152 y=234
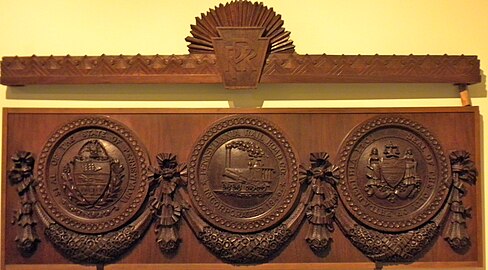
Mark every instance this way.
x=394 y=187
x=168 y=177
x=21 y=176
x=322 y=176
x=244 y=186
x=92 y=184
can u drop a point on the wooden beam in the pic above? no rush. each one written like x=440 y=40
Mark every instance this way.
x=203 y=69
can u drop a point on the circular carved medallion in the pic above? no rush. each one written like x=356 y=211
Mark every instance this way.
x=243 y=175
x=393 y=174
x=92 y=175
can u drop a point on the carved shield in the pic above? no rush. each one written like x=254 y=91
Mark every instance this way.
x=381 y=207
x=91 y=178
x=393 y=171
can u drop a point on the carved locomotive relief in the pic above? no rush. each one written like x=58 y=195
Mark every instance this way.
x=243 y=178
x=394 y=184
x=243 y=175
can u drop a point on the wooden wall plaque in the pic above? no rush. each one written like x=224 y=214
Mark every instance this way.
x=240 y=44
x=221 y=189
x=217 y=189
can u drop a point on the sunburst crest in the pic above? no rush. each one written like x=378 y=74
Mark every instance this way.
x=239 y=13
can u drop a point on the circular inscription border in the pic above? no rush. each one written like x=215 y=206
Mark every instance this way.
x=432 y=204
x=289 y=183
x=122 y=212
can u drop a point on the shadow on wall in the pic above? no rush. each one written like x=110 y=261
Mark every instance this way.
x=211 y=92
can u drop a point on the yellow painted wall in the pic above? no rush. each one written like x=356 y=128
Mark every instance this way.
x=93 y=27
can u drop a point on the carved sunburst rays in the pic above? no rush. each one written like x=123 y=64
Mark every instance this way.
x=239 y=13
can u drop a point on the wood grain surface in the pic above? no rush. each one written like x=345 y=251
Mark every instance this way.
x=176 y=131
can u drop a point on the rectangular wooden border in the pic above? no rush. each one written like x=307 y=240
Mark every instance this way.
x=309 y=266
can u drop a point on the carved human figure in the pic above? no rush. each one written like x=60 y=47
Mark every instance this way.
x=391 y=177
x=374 y=165
x=410 y=168
x=373 y=185
x=410 y=183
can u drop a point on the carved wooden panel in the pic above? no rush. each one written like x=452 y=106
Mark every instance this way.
x=240 y=44
x=277 y=188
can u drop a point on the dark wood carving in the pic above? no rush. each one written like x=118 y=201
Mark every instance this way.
x=244 y=248
x=92 y=175
x=239 y=14
x=92 y=180
x=240 y=54
x=239 y=65
x=243 y=175
x=233 y=191
x=202 y=68
x=244 y=179
x=240 y=34
x=95 y=248
x=21 y=176
x=395 y=175
x=168 y=177
x=323 y=177
x=463 y=171
x=389 y=247
x=395 y=182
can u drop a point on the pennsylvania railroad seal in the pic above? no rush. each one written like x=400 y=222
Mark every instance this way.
x=243 y=175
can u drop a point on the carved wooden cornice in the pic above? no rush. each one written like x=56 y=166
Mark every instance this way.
x=240 y=44
x=202 y=68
